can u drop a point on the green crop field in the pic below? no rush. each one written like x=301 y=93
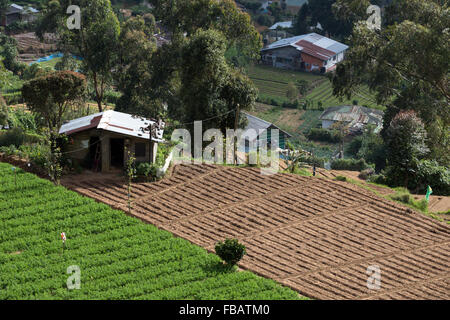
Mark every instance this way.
x=324 y=93
x=119 y=257
x=272 y=83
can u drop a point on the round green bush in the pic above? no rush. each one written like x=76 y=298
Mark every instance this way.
x=230 y=251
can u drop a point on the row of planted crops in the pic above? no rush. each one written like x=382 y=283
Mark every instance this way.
x=116 y=256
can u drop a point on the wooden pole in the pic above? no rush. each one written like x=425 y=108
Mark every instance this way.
x=236 y=124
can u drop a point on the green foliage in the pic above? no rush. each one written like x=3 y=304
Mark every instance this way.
x=14 y=137
x=4 y=111
x=366 y=174
x=405 y=144
x=50 y=95
x=292 y=92
x=9 y=53
x=96 y=41
x=406 y=63
x=114 y=252
x=430 y=173
x=372 y=149
x=340 y=178
x=230 y=251
x=320 y=134
x=146 y=169
x=349 y=164
x=402 y=195
x=209 y=87
x=20 y=118
x=265 y=20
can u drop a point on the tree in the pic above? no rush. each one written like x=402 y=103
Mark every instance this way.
x=406 y=64
x=302 y=20
x=50 y=96
x=181 y=16
x=292 y=92
x=322 y=11
x=372 y=148
x=405 y=146
x=9 y=52
x=209 y=87
x=134 y=70
x=4 y=4
x=303 y=86
x=96 y=40
x=3 y=112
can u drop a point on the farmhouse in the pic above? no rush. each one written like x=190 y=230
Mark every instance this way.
x=308 y=52
x=262 y=129
x=99 y=141
x=16 y=13
x=356 y=116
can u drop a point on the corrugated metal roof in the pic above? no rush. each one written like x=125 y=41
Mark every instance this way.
x=314 y=39
x=258 y=124
x=284 y=25
x=353 y=114
x=114 y=121
x=13 y=8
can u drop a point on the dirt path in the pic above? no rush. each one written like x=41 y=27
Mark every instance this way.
x=317 y=236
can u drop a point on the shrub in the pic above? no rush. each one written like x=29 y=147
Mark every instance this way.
x=365 y=174
x=14 y=137
x=112 y=96
x=349 y=164
x=340 y=178
x=146 y=169
x=355 y=145
x=230 y=251
x=430 y=173
x=320 y=134
x=405 y=197
x=293 y=105
x=378 y=179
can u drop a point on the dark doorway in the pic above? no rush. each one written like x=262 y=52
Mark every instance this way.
x=95 y=154
x=117 y=153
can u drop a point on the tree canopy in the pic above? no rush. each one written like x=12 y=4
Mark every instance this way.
x=96 y=41
x=51 y=94
x=407 y=64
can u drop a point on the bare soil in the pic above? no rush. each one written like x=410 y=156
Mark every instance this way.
x=315 y=235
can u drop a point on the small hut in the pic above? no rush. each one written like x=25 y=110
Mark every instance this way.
x=99 y=141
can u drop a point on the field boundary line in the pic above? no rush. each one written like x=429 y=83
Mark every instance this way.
x=184 y=183
x=355 y=262
x=266 y=195
x=412 y=284
x=297 y=222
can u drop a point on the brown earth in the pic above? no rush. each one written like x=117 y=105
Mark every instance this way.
x=315 y=235
x=437 y=204
x=31 y=48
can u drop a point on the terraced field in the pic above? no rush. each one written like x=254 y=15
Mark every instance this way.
x=315 y=235
x=324 y=93
x=273 y=82
x=119 y=257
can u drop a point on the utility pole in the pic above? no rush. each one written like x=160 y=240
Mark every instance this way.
x=236 y=123
x=150 y=151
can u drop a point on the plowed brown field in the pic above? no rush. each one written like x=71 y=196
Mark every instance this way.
x=315 y=235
